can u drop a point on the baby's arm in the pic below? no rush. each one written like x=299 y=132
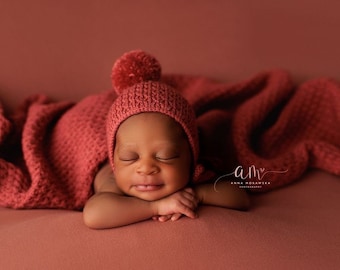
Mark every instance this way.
x=223 y=194
x=109 y=207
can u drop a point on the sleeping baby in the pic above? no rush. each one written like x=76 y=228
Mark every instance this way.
x=153 y=151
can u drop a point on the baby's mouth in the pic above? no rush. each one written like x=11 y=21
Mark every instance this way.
x=148 y=187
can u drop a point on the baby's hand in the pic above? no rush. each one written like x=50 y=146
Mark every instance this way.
x=183 y=202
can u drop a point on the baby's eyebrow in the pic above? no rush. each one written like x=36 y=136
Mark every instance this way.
x=168 y=144
x=125 y=146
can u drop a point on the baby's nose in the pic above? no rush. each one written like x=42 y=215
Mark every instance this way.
x=147 y=166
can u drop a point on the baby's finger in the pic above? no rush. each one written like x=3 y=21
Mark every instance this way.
x=190 y=195
x=190 y=191
x=164 y=218
x=176 y=217
x=189 y=201
x=188 y=211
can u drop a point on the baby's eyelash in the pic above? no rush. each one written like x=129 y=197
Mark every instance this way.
x=168 y=158
x=132 y=158
x=125 y=159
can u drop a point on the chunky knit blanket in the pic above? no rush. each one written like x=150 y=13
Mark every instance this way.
x=262 y=133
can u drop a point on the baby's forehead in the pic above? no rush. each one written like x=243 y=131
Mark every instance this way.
x=131 y=145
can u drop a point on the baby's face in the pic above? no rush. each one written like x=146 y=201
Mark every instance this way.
x=152 y=156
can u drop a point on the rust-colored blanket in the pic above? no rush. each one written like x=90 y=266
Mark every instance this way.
x=261 y=133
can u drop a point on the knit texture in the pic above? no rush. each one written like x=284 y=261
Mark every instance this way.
x=51 y=151
x=134 y=67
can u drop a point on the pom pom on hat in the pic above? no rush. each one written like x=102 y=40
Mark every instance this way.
x=134 y=67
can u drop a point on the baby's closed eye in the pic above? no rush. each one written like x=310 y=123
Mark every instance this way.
x=167 y=155
x=128 y=156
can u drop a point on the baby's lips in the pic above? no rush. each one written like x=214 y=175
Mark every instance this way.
x=151 y=187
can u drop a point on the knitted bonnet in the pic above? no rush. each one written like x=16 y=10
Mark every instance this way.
x=136 y=79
